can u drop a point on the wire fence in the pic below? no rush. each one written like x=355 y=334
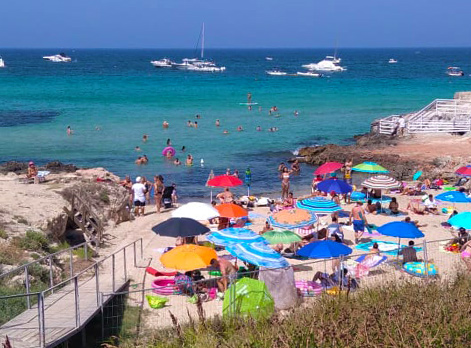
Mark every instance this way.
x=130 y=313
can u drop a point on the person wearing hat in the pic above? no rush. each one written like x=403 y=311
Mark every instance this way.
x=139 y=196
x=32 y=171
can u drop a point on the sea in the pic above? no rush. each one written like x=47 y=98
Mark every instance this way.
x=112 y=97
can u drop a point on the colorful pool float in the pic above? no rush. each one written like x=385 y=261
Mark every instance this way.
x=309 y=288
x=418 y=269
x=165 y=287
x=168 y=150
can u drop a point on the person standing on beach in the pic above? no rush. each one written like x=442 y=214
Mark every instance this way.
x=139 y=197
x=359 y=220
x=402 y=125
x=285 y=183
x=158 y=191
x=228 y=272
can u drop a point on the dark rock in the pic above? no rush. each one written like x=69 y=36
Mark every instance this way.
x=58 y=167
x=13 y=166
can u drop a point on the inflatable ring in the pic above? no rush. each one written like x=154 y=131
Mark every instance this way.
x=167 y=150
x=308 y=288
x=418 y=269
x=164 y=287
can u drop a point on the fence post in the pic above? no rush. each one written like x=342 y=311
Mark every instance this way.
x=142 y=249
x=51 y=275
x=97 y=282
x=113 y=271
x=77 y=304
x=42 y=331
x=124 y=265
x=28 y=301
x=102 y=317
x=86 y=250
x=134 y=249
x=71 y=263
x=425 y=258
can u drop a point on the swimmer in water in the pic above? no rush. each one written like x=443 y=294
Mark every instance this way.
x=195 y=124
x=218 y=123
x=259 y=128
x=165 y=124
x=168 y=154
x=259 y=109
x=145 y=137
x=228 y=171
x=189 y=123
x=240 y=129
x=97 y=128
x=296 y=113
x=69 y=130
x=189 y=160
x=144 y=160
x=183 y=148
x=198 y=116
x=225 y=131
x=177 y=162
x=169 y=142
x=137 y=148
x=138 y=161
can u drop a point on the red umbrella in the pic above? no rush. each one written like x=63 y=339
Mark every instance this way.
x=464 y=171
x=224 y=181
x=327 y=168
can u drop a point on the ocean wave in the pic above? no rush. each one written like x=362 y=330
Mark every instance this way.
x=296 y=151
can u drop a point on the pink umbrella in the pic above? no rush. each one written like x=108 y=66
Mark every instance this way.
x=327 y=168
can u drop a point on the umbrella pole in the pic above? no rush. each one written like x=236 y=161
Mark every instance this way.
x=398 y=248
x=211 y=199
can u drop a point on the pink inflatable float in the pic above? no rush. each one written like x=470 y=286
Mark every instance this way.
x=308 y=288
x=164 y=287
x=168 y=151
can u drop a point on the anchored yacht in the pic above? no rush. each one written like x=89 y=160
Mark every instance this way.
x=392 y=61
x=162 y=63
x=2 y=63
x=308 y=74
x=329 y=64
x=58 y=58
x=454 y=71
x=276 y=72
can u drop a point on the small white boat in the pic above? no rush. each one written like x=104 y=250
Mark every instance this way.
x=162 y=63
x=329 y=64
x=454 y=71
x=58 y=58
x=276 y=72
x=2 y=63
x=392 y=61
x=268 y=58
x=206 y=68
x=308 y=74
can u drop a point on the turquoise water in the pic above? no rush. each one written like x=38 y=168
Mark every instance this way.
x=119 y=91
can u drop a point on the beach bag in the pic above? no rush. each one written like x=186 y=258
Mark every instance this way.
x=156 y=302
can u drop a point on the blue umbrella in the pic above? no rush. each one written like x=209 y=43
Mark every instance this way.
x=318 y=205
x=453 y=196
x=400 y=229
x=339 y=186
x=461 y=220
x=258 y=254
x=234 y=235
x=324 y=250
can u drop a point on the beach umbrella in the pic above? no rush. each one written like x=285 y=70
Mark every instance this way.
x=400 y=229
x=461 y=220
x=417 y=175
x=453 y=197
x=224 y=181
x=464 y=171
x=324 y=249
x=281 y=237
x=318 y=205
x=258 y=254
x=180 y=227
x=327 y=168
x=197 y=211
x=229 y=236
x=292 y=218
x=231 y=210
x=336 y=185
x=188 y=257
x=370 y=167
x=381 y=182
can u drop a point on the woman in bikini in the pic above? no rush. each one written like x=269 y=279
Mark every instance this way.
x=285 y=183
x=158 y=191
x=466 y=254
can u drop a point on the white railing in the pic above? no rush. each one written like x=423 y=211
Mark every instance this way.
x=388 y=124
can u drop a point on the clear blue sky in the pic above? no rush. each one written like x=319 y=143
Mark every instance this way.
x=234 y=23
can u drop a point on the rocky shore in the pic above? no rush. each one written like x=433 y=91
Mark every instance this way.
x=435 y=155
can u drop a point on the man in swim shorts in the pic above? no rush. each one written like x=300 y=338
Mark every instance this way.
x=139 y=196
x=359 y=220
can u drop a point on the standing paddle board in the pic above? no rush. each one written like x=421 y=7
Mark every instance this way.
x=248 y=104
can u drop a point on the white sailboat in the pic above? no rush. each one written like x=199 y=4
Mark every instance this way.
x=2 y=63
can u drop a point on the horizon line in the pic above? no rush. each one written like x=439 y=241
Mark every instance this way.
x=233 y=48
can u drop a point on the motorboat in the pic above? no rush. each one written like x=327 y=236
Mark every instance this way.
x=392 y=61
x=268 y=58
x=454 y=71
x=329 y=64
x=162 y=63
x=58 y=58
x=276 y=72
x=2 y=63
x=206 y=68
x=308 y=74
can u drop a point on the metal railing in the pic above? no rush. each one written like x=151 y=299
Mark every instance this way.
x=73 y=283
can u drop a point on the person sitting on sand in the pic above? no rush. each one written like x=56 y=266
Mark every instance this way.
x=394 y=206
x=335 y=229
x=371 y=208
x=225 y=196
x=409 y=254
x=461 y=239
x=431 y=205
x=177 y=162
x=415 y=222
x=228 y=273
x=266 y=228
x=412 y=191
x=466 y=254
x=32 y=170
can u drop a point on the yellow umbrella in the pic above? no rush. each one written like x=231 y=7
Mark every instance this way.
x=188 y=257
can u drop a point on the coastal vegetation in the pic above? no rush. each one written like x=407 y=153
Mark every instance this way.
x=432 y=314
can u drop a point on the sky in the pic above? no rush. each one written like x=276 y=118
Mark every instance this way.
x=234 y=23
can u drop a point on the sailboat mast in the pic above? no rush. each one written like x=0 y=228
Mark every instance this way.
x=202 y=42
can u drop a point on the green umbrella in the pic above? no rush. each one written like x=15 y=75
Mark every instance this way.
x=281 y=237
x=370 y=167
x=248 y=297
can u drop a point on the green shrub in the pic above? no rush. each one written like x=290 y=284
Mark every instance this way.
x=104 y=197
x=3 y=234
x=33 y=241
x=58 y=247
x=10 y=254
x=80 y=253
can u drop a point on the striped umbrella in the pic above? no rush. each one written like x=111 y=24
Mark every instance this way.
x=370 y=167
x=318 y=205
x=381 y=182
x=258 y=254
x=229 y=236
x=291 y=219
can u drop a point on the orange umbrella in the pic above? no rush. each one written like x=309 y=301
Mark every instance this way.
x=188 y=257
x=231 y=210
